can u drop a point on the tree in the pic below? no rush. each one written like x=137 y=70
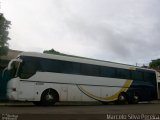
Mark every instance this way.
x=155 y=63
x=52 y=51
x=4 y=26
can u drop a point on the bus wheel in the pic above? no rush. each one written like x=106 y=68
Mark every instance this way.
x=49 y=97
x=104 y=103
x=37 y=103
x=135 y=98
x=122 y=98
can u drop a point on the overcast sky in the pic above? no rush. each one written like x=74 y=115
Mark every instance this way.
x=125 y=31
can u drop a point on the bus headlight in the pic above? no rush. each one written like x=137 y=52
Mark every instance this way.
x=14 y=89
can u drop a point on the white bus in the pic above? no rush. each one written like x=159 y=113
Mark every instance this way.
x=46 y=79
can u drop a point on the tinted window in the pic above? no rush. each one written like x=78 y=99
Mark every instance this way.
x=123 y=73
x=149 y=76
x=76 y=68
x=31 y=65
x=51 y=65
x=67 y=67
x=95 y=70
x=28 y=67
x=108 y=72
x=137 y=75
x=87 y=69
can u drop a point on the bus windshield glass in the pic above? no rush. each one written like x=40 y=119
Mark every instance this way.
x=14 y=68
x=28 y=67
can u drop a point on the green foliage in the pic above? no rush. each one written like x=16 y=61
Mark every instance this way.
x=4 y=26
x=52 y=51
x=155 y=63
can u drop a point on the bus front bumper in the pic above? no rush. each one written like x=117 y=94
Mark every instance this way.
x=11 y=95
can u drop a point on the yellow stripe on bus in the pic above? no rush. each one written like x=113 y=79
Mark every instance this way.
x=124 y=88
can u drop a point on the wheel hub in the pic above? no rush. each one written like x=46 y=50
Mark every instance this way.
x=136 y=97
x=49 y=97
x=122 y=98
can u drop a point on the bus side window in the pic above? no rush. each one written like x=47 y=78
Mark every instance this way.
x=67 y=67
x=85 y=69
x=150 y=77
x=76 y=68
x=47 y=65
x=91 y=70
x=108 y=72
x=123 y=73
x=137 y=75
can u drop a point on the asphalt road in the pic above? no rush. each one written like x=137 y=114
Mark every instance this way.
x=94 y=111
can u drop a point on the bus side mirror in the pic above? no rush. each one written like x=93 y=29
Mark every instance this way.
x=12 y=62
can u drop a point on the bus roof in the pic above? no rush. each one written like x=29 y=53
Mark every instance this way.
x=81 y=60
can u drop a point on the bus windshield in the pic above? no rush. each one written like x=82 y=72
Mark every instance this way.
x=13 y=68
x=28 y=67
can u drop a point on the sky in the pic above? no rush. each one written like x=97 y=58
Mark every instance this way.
x=124 y=31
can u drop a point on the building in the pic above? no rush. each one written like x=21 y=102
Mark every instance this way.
x=5 y=59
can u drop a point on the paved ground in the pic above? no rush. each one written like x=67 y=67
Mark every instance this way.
x=21 y=111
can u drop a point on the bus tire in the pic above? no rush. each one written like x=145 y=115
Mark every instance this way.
x=122 y=98
x=49 y=97
x=37 y=103
x=104 y=103
x=135 y=99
